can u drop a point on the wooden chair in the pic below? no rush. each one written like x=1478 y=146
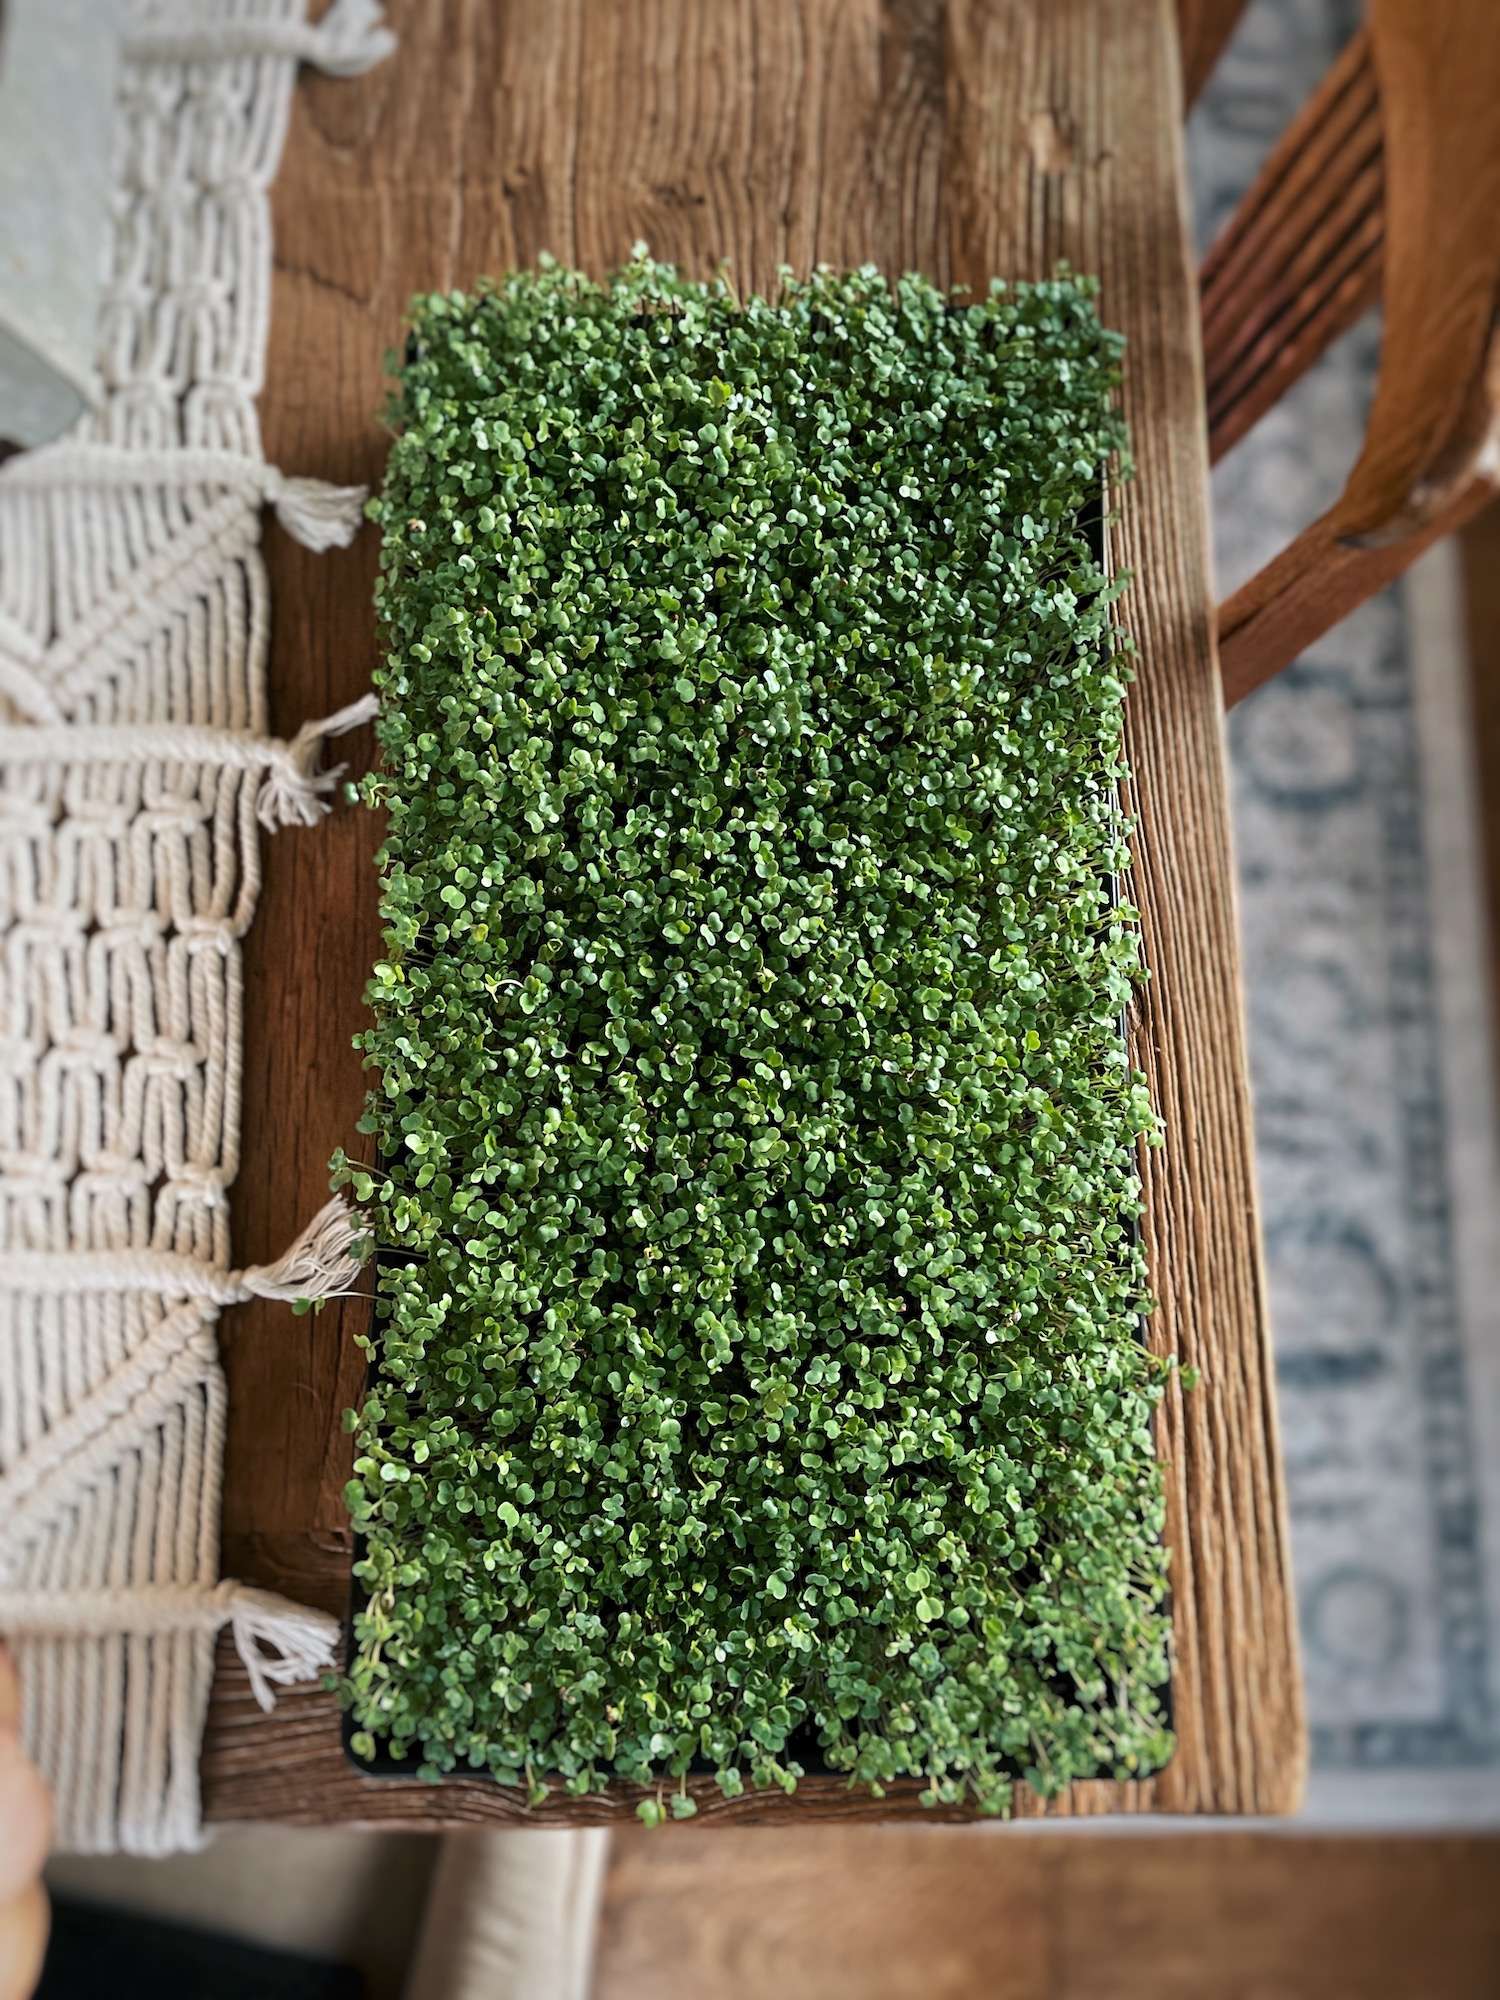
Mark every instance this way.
x=1387 y=186
x=965 y=138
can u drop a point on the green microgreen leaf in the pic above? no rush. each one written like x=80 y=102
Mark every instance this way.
x=758 y=1360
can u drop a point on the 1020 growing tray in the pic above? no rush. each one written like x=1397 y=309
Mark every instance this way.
x=757 y=1382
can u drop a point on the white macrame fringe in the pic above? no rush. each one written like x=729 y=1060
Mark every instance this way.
x=295 y=791
x=321 y=1264
x=135 y=773
x=350 y=39
x=305 y=1642
x=315 y=513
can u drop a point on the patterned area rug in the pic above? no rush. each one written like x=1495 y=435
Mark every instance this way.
x=1370 y=1047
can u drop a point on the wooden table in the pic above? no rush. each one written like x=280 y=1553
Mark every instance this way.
x=976 y=137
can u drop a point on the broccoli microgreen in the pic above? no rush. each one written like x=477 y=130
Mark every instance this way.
x=758 y=1358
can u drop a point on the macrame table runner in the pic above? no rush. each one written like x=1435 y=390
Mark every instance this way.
x=136 y=775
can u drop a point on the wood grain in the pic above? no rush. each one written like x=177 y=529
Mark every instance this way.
x=885 y=1913
x=966 y=138
x=1431 y=456
x=1299 y=261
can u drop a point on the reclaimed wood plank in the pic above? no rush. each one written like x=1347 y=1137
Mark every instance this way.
x=962 y=138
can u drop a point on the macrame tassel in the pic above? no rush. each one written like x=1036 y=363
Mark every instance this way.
x=304 y=1641
x=351 y=38
x=321 y=1264
x=295 y=792
x=314 y=513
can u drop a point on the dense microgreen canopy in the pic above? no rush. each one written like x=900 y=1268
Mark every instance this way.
x=759 y=1371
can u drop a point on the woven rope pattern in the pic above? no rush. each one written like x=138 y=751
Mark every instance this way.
x=136 y=774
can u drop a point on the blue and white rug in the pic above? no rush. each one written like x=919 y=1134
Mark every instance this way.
x=1366 y=970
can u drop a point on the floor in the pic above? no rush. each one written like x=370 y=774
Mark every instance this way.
x=335 y=1895
x=938 y=1914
